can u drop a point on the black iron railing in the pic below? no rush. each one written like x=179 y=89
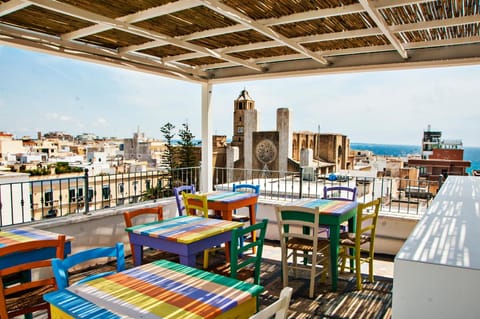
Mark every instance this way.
x=23 y=202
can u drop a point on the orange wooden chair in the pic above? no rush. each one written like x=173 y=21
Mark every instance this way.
x=26 y=297
x=131 y=216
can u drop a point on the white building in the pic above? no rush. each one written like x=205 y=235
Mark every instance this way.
x=15 y=198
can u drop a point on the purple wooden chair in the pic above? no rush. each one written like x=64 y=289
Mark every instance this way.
x=178 y=196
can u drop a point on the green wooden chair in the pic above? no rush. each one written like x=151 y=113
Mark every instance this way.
x=243 y=265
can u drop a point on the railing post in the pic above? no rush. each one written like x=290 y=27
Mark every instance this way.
x=300 y=188
x=86 y=192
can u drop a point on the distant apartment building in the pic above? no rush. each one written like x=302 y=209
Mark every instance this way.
x=440 y=157
x=9 y=146
x=141 y=149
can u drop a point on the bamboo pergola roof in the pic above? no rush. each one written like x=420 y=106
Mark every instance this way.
x=227 y=40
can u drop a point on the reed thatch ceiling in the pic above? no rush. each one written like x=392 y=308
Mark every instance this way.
x=227 y=40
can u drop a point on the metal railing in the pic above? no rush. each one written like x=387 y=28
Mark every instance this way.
x=23 y=202
x=399 y=196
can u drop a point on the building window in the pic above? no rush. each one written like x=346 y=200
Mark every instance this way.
x=80 y=194
x=49 y=198
x=106 y=192
x=240 y=129
x=71 y=195
x=90 y=194
x=121 y=188
x=148 y=184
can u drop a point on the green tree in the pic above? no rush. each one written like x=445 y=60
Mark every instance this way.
x=187 y=147
x=168 y=135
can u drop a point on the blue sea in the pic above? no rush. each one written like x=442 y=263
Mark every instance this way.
x=470 y=153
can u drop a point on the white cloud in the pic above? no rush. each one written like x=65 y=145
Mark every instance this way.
x=58 y=117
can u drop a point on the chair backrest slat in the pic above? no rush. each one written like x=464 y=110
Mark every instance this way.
x=340 y=193
x=191 y=208
x=279 y=308
x=61 y=267
x=237 y=249
x=178 y=191
x=16 y=290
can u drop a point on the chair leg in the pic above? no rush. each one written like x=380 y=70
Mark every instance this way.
x=370 y=268
x=205 y=259
x=358 y=269
x=285 y=270
x=343 y=256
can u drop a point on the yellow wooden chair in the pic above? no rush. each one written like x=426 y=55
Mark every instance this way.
x=298 y=228
x=192 y=208
x=359 y=246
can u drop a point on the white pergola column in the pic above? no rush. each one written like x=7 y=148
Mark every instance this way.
x=206 y=173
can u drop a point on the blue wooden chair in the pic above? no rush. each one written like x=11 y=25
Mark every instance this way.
x=61 y=266
x=177 y=191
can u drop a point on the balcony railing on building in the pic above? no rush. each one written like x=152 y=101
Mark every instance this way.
x=24 y=202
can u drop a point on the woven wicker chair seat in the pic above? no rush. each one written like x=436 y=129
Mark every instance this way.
x=348 y=239
x=307 y=245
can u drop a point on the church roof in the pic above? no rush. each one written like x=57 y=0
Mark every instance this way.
x=244 y=96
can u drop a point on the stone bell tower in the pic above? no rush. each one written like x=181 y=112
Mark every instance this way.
x=244 y=121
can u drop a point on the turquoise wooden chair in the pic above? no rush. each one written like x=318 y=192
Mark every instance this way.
x=61 y=266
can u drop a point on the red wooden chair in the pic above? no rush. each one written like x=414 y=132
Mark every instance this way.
x=130 y=216
x=26 y=297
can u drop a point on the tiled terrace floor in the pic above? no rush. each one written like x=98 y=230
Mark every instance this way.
x=374 y=301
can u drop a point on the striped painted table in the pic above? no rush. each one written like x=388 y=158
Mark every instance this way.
x=25 y=234
x=332 y=214
x=225 y=202
x=184 y=235
x=162 y=289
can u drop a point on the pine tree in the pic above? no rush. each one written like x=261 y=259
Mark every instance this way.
x=187 y=149
x=168 y=134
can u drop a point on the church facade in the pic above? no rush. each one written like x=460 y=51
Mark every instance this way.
x=269 y=152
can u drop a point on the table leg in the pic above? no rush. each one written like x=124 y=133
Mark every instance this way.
x=189 y=260
x=352 y=225
x=138 y=254
x=334 y=240
x=252 y=212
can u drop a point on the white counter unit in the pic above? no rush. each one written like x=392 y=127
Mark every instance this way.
x=437 y=270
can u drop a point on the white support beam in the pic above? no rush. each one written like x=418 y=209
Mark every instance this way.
x=206 y=169
x=94 y=53
x=382 y=24
x=251 y=24
x=12 y=6
x=135 y=17
x=112 y=23
x=435 y=24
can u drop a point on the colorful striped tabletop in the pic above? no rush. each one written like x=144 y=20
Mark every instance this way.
x=25 y=234
x=185 y=229
x=223 y=196
x=326 y=206
x=164 y=289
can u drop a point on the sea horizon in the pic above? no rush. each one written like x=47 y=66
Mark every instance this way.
x=470 y=153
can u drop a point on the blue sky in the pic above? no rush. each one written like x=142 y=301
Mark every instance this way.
x=40 y=92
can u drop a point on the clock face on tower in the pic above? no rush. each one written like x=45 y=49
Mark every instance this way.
x=266 y=151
